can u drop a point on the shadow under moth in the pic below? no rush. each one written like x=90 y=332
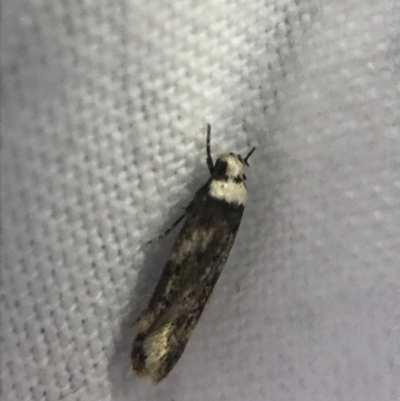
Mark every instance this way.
x=212 y=220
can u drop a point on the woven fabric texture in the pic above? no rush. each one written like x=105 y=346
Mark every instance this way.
x=104 y=109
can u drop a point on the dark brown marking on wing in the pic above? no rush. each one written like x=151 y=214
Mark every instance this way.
x=181 y=317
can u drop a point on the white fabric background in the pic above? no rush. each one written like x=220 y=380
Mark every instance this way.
x=104 y=106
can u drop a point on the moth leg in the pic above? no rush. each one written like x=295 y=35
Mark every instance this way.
x=210 y=163
x=166 y=232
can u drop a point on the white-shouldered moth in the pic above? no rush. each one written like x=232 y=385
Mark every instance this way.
x=197 y=258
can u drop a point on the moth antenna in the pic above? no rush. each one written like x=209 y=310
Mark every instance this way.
x=248 y=155
x=166 y=232
x=210 y=163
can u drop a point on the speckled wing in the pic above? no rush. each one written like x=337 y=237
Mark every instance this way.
x=186 y=283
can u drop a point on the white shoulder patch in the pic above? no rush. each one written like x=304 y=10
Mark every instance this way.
x=228 y=191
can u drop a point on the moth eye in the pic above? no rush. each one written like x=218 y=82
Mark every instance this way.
x=244 y=177
x=220 y=167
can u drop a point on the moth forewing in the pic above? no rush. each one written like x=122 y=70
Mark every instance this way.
x=211 y=222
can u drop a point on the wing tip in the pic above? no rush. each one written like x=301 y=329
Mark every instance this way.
x=146 y=361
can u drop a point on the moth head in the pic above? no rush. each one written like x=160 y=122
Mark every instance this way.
x=231 y=166
x=228 y=166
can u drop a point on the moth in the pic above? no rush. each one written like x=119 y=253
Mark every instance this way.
x=212 y=220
